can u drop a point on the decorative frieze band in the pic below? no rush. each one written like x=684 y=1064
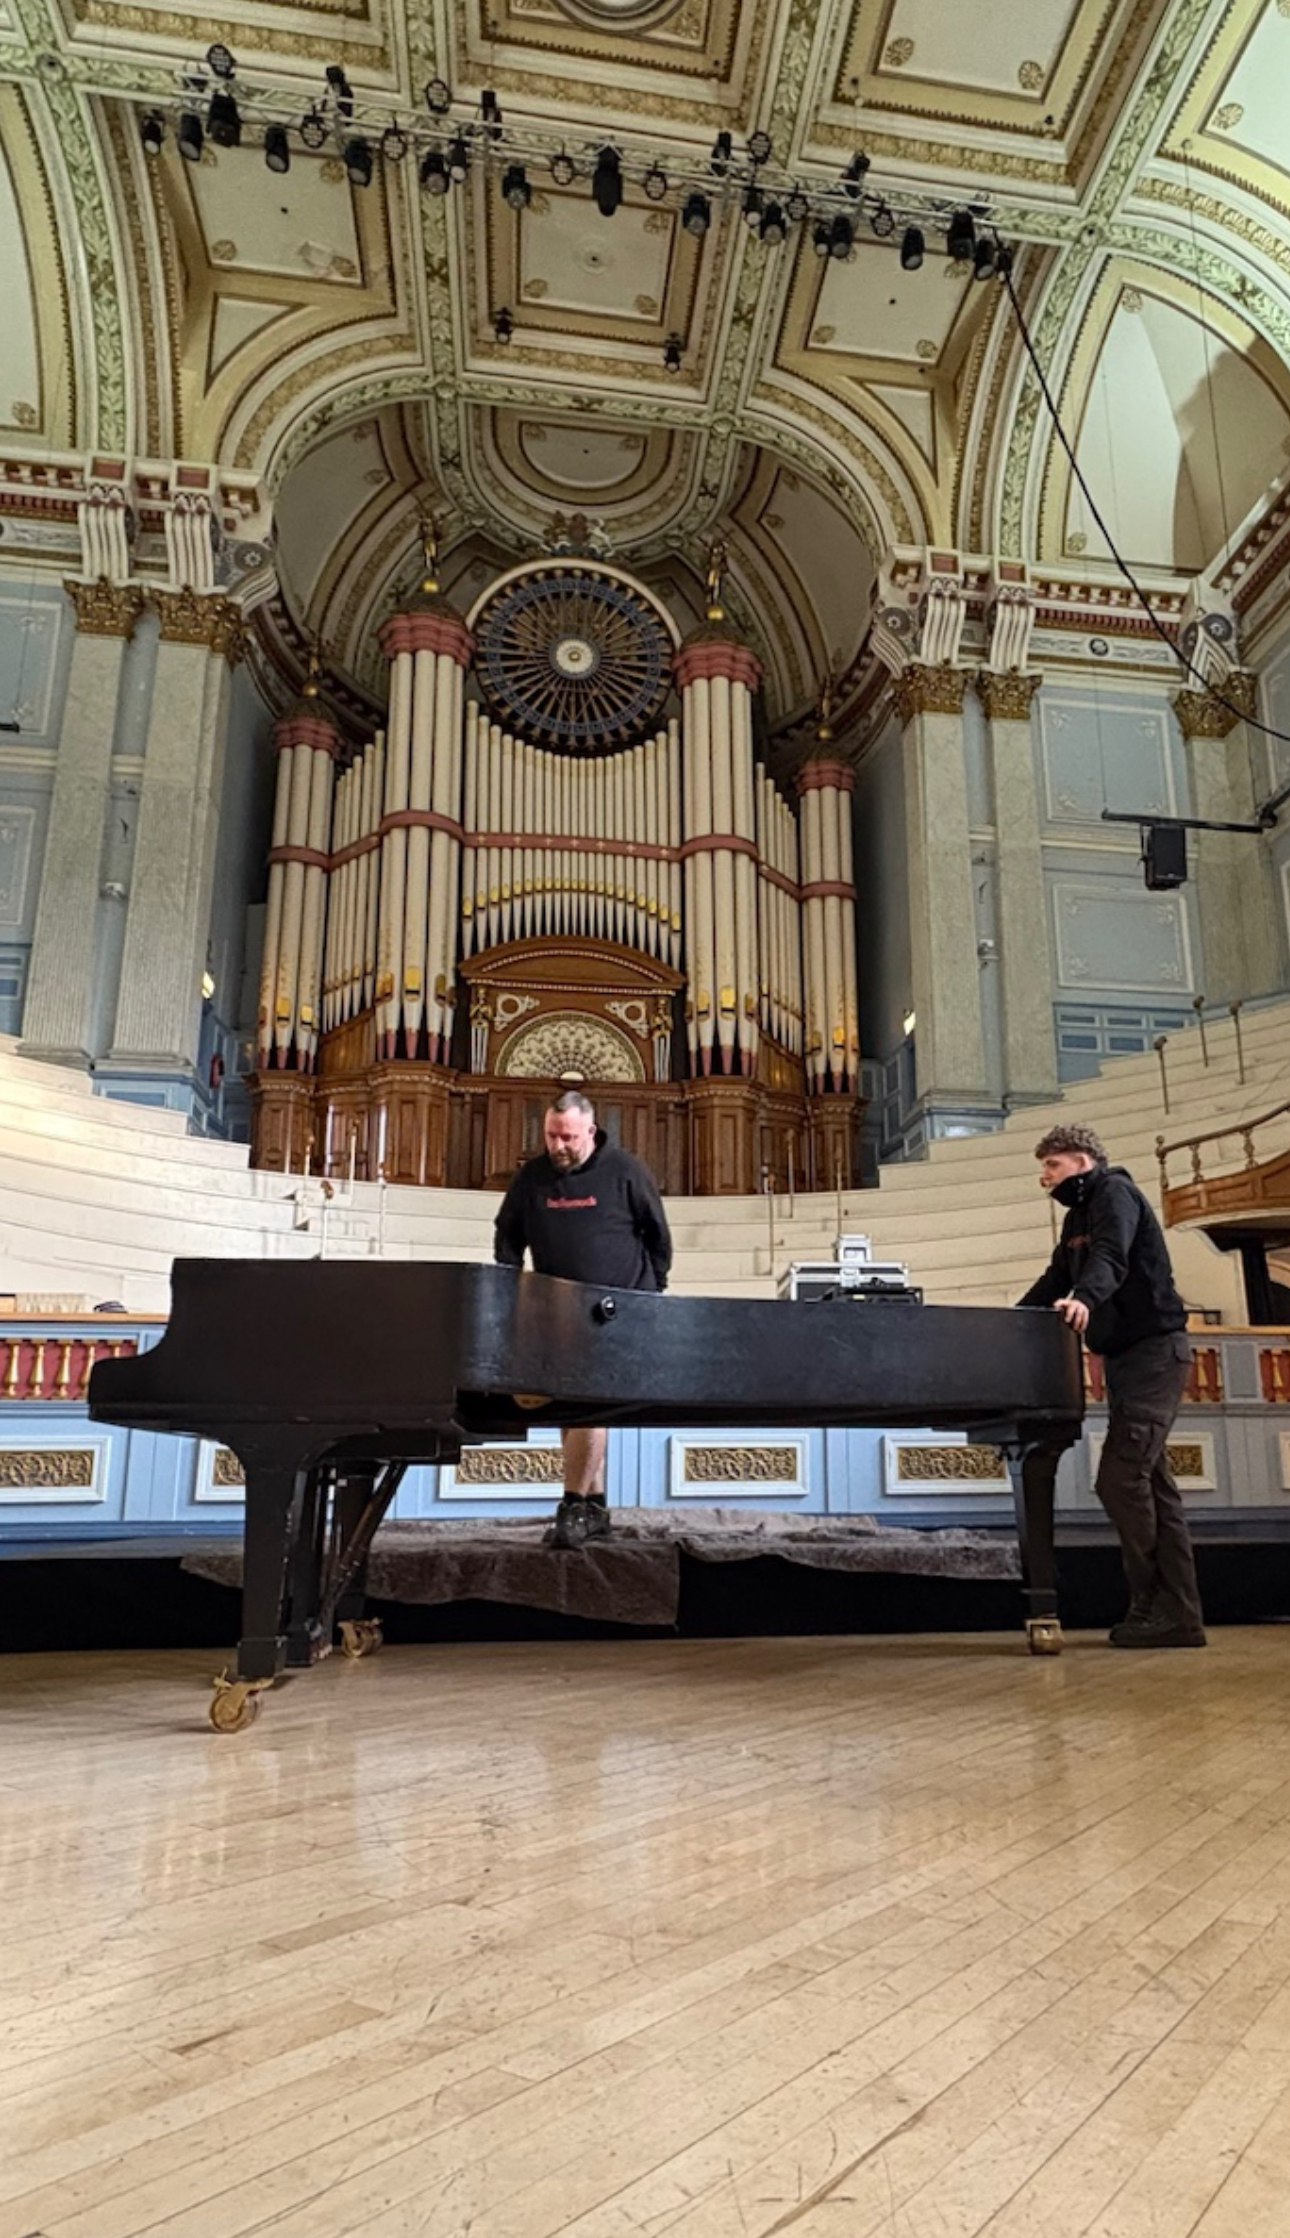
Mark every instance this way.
x=930 y=691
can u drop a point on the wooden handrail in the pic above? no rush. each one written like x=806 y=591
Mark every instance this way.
x=1195 y=1143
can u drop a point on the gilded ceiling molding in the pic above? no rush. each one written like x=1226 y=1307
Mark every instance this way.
x=154 y=333
x=105 y=609
x=1261 y=240
x=919 y=690
x=988 y=436
x=1005 y=699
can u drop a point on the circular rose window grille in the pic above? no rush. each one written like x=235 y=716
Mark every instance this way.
x=566 y=657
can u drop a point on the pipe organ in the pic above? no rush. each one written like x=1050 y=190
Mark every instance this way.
x=560 y=862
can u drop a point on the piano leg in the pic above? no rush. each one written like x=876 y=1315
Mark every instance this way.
x=277 y=1485
x=1033 y=1469
x=306 y=1642
x=362 y=1497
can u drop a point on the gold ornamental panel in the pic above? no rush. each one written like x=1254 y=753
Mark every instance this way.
x=47 y=1468
x=227 y=1469
x=741 y=1464
x=511 y=1464
x=950 y=1464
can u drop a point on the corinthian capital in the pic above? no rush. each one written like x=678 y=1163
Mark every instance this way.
x=105 y=609
x=924 y=690
x=1205 y=715
x=1006 y=699
x=188 y=618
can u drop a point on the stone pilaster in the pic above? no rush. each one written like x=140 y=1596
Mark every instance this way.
x=950 y=1063
x=1233 y=872
x=59 y=1011
x=158 y=1007
x=1029 y=1046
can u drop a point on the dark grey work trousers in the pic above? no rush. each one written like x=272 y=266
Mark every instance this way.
x=1144 y=1387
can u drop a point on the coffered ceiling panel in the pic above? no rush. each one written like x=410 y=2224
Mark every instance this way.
x=1004 y=47
x=869 y=308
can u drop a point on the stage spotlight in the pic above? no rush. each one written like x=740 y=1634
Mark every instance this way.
x=841 y=238
x=438 y=97
x=797 y=207
x=853 y=177
x=760 y=147
x=394 y=144
x=563 y=169
x=983 y=260
x=654 y=183
x=152 y=132
x=503 y=325
x=491 y=113
x=821 y=237
x=358 y=162
x=516 y=191
x=224 y=121
x=313 y=131
x=774 y=226
x=277 y=152
x=696 y=217
x=342 y=91
x=220 y=61
x=960 y=237
x=882 y=223
x=911 y=249
x=607 y=182
x=458 y=160
x=753 y=205
x=722 y=150
x=672 y=354
x=190 y=136
x=434 y=173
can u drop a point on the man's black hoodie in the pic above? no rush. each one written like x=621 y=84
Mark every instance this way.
x=600 y=1222
x=1112 y=1257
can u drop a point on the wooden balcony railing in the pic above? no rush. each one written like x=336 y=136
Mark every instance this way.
x=1258 y=1186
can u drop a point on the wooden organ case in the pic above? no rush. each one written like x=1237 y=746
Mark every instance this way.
x=579 y=877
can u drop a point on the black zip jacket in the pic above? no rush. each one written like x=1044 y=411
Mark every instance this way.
x=1112 y=1256
x=602 y=1222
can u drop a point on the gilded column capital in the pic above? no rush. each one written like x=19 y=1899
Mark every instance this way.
x=190 y=617
x=1006 y=699
x=105 y=609
x=921 y=690
x=1202 y=715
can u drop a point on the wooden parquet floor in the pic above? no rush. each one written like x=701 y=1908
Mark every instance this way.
x=899 y=1938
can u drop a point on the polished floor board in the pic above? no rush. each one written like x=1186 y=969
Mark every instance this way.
x=899 y=1938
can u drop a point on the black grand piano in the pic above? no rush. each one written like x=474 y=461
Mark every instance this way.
x=328 y=1380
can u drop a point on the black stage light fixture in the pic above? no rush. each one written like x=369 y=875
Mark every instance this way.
x=696 y=217
x=313 y=131
x=672 y=354
x=654 y=183
x=753 y=205
x=394 y=144
x=821 y=237
x=563 y=169
x=960 y=237
x=882 y=223
x=774 y=225
x=1002 y=261
x=983 y=259
x=841 y=238
x=722 y=150
x=219 y=61
x=357 y=154
x=1164 y=857
x=491 y=113
x=434 y=173
x=458 y=160
x=760 y=147
x=503 y=325
x=607 y=182
x=152 y=132
x=224 y=121
x=797 y=207
x=277 y=150
x=516 y=191
x=342 y=91
x=190 y=135
x=853 y=177
x=438 y=97
x=911 y=249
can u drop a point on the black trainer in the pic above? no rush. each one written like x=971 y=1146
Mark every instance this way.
x=1159 y=1629
x=1140 y=1608
x=569 y=1529
x=598 y=1524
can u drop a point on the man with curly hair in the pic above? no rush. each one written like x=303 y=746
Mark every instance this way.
x=1111 y=1281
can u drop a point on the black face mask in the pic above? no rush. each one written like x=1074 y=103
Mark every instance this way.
x=1071 y=1190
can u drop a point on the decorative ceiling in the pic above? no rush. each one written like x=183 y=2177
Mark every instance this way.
x=336 y=347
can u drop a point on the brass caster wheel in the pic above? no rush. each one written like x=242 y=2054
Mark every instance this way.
x=236 y=1703
x=1044 y=1635
x=360 y=1636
